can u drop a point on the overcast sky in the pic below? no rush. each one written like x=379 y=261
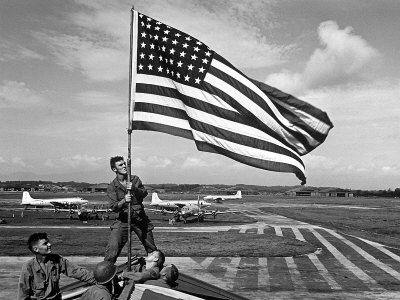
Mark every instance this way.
x=64 y=87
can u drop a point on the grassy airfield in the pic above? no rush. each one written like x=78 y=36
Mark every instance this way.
x=373 y=218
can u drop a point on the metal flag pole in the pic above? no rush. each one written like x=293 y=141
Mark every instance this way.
x=132 y=90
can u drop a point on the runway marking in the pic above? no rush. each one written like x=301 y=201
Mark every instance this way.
x=231 y=271
x=244 y=229
x=381 y=248
x=318 y=265
x=263 y=274
x=295 y=275
x=207 y=262
x=368 y=281
x=278 y=230
x=366 y=255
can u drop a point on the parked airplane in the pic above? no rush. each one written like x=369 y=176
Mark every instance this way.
x=183 y=208
x=156 y=201
x=59 y=203
x=220 y=198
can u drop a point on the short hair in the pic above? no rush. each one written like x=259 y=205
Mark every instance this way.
x=34 y=238
x=161 y=258
x=114 y=159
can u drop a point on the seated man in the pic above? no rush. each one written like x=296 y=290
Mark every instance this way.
x=107 y=285
x=40 y=275
x=149 y=269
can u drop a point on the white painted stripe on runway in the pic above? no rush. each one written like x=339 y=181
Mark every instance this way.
x=231 y=271
x=244 y=229
x=295 y=275
x=366 y=255
x=278 y=231
x=317 y=263
x=381 y=248
x=360 y=274
x=207 y=262
x=263 y=274
x=201 y=273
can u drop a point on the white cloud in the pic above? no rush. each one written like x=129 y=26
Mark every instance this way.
x=96 y=98
x=195 y=162
x=50 y=164
x=11 y=51
x=15 y=94
x=18 y=161
x=83 y=161
x=99 y=44
x=98 y=60
x=343 y=58
x=151 y=162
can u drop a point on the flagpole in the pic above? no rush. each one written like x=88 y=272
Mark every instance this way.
x=132 y=88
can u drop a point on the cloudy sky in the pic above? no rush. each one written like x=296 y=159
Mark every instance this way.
x=64 y=87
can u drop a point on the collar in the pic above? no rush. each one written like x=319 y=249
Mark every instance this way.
x=118 y=184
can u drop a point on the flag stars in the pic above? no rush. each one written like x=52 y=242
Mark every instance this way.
x=140 y=67
x=141 y=55
x=144 y=34
x=151 y=46
x=177 y=34
x=178 y=75
x=194 y=57
x=197 y=80
x=171 y=61
x=164 y=39
x=185 y=45
x=208 y=53
x=163 y=48
x=160 y=58
x=160 y=69
x=157 y=28
x=156 y=37
x=196 y=49
x=205 y=60
x=198 y=43
x=151 y=56
x=172 y=51
x=201 y=70
x=166 y=31
x=187 y=78
x=143 y=44
x=180 y=64
x=148 y=26
x=182 y=54
x=188 y=38
x=190 y=67
x=174 y=42
x=150 y=67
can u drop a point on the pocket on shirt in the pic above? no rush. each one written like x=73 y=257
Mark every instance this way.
x=39 y=288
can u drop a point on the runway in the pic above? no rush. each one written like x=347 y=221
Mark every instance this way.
x=344 y=267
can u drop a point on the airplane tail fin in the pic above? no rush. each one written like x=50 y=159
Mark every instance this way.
x=154 y=199
x=26 y=198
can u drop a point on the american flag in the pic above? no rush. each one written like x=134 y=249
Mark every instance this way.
x=182 y=87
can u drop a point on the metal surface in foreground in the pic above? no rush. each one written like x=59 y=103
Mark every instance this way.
x=188 y=288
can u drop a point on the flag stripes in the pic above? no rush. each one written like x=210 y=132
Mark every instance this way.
x=185 y=89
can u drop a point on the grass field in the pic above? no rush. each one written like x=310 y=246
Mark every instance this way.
x=372 y=218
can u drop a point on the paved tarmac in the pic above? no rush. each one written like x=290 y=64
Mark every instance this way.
x=344 y=267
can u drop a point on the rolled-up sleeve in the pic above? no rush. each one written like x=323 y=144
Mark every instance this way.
x=71 y=270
